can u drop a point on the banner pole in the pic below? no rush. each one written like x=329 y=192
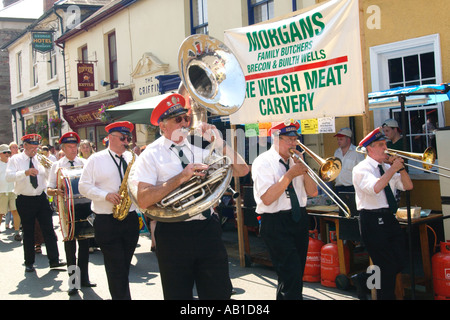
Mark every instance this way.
x=238 y=203
x=366 y=125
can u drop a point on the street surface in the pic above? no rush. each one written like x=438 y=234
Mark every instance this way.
x=252 y=283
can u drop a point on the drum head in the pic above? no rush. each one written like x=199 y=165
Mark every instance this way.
x=65 y=205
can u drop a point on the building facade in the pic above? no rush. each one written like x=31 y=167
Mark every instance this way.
x=36 y=68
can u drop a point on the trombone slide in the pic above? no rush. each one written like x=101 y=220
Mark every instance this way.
x=325 y=188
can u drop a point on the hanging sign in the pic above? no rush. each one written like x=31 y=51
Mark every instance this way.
x=42 y=41
x=85 y=73
x=304 y=67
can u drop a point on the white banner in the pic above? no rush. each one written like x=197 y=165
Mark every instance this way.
x=307 y=66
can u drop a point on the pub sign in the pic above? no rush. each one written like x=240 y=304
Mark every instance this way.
x=85 y=73
x=42 y=41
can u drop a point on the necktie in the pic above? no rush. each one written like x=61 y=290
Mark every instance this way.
x=293 y=196
x=389 y=195
x=122 y=163
x=184 y=160
x=71 y=163
x=33 y=179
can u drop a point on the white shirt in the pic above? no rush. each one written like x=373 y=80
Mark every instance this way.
x=15 y=172
x=159 y=163
x=266 y=171
x=349 y=161
x=62 y=163
x=101 y=176
x=365 y=175
x=5 y=186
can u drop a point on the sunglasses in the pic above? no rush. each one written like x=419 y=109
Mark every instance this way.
x=178 y=119
x=8 y=152
x=122 y=138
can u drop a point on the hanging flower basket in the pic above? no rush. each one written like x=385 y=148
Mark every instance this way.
x=104 y=117
x=55 y=123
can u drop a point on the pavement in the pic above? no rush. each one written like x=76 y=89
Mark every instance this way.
x=257 y=282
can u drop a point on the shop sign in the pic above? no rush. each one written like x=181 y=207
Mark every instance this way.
x=85 y=73
x=42 y=41
x=81 y=119
x=146 y=87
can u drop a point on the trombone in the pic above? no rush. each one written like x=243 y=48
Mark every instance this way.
x=329 y=170
x=427 y=158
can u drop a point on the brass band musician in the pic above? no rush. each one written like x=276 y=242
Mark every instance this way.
x=29 y=177
x=191 y=251
x=69 y=144
x=281 y=186
x=375 y=185
x=100 y=181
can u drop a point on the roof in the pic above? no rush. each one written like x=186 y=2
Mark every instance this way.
x=103 y=13
x=23 y=9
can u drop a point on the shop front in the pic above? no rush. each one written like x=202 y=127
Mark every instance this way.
x=89 y=120
x=39 y=114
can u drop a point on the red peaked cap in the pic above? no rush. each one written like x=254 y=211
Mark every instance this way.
x=373 y=136
x=171 y=106
x=32 y=138
x=289 y=129
x=124 y=127
x=69 y=137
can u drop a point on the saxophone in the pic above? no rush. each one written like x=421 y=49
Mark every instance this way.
x=120 y=211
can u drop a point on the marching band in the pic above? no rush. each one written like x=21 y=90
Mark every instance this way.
x=178 y=183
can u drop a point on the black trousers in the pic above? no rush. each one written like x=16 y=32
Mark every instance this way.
x=82 y=211
x=192 y=252
x=31 y=208
x=287 y=242
x=385 y=243
x=117 y=241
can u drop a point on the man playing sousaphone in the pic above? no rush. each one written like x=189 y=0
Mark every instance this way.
x=191 y=251
x=69 y=144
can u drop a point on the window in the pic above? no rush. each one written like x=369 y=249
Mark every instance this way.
x=199 y=17
x=408 y=63
x=112 y=50
x=260 y=10
x=19 y=71
x=84 y=58
x=34 y=68
x=52 y=72
x=414 y=70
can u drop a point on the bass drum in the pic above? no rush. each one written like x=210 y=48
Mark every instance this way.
x=73 y=208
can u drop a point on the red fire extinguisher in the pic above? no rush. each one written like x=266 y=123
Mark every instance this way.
x=441 y=272
x=312 y=266
x=329 y=262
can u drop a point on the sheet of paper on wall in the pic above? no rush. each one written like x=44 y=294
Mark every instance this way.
x=326 y=125
x=310 y=126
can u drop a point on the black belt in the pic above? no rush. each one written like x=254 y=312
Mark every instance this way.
x=283 y=211
x=382 y=210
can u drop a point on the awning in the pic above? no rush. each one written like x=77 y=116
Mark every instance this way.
x=413 y=96
x=137 y=112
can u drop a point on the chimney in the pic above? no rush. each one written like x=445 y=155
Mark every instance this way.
x=8 y=2
x=48 y=4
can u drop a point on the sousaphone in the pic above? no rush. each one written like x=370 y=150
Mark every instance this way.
x=214 y=79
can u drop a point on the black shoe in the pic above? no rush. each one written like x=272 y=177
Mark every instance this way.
x=88 y=284
x=360 y=282
x=72 y=291
x=57 y=264
x=30 y=268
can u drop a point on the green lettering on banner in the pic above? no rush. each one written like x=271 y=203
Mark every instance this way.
x=304 y=28
x=287 y=104
x=322 y=78
x=284 y=85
